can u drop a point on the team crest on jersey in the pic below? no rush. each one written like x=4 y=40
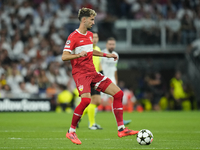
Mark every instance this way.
x=80 y=87
x=90 y=38
x=68 y=42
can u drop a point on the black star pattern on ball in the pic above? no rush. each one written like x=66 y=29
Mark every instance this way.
x=142 y=138
x=143 y=131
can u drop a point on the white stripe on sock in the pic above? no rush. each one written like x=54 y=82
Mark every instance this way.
x=77 y=114
x=72 y=130
x=117 y=108
x=122 y=126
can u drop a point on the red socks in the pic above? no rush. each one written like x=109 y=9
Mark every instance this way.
x=79 y=111
x=118 y=107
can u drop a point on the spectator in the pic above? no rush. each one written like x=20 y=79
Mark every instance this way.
x=124 y=8
x=155 y=85
x=4 y=57
x=3 y=79
x=22 y=89
x=27 y=71
x=138 y=12
x=54 y=74
x=32 y=48
x=168 y=7
x=2 y=71
x=42 y=25
x=6 y=91
x=25 y=10
x=186 y=9
x=17 y=46
x=179 y=95
x=63 y=13
x=101 y=15
x=27 y=30
x=52 y=90
x=87 y=4
x=43 y=81
x=173 y=27
x=187 y=29
x=32 y=86
x=25 y=54
x=102 y=4
x=150 y=32
x=58 y=22
x=14 y=79
x=4 y=45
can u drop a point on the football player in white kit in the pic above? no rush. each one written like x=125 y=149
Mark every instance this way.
x=109 y=67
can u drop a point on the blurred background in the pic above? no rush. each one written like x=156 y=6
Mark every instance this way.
x=157 y=42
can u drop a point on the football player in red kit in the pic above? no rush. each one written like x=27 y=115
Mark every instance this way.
x=79 y=50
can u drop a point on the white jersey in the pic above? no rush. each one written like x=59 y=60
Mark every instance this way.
x=109 y=66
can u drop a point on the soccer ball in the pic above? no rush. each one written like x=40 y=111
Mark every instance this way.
x=144 y=137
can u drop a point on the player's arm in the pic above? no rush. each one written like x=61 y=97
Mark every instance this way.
x=101 y=54
x=116 y=77
x=68 y=56
x=100 y=68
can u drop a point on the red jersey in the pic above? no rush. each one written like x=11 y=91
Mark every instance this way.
x=76 y=43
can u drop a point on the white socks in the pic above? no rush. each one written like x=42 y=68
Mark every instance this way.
x=72 y=130
x=122 y=126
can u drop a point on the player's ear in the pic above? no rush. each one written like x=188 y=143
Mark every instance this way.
x=84 y=19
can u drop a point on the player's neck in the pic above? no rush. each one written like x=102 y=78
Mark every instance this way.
x=82 y=30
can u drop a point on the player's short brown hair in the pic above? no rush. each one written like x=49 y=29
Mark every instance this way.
x=86 y=12
x=110 y=39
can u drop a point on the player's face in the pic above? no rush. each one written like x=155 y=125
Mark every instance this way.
x=89 y=22
x=95 y=38
x=178 y=75
x=110 y=45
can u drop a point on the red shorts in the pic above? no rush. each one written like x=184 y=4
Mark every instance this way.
x=98 y=81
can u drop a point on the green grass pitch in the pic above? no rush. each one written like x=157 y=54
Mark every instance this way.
x=46 y=131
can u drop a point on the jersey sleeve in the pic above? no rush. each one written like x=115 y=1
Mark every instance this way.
x=69 y=45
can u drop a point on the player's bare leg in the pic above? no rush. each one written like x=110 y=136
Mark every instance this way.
x=117 y=94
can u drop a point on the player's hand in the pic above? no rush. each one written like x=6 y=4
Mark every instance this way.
x=112 y=56
x=83 y=54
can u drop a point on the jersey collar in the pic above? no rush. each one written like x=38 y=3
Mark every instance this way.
x=80 y=32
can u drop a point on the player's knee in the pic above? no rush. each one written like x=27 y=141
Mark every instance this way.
x=85 y=102
x=117 y=103
x=119 y=95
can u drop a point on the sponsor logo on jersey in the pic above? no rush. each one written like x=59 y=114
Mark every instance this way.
x=81 y=41
x=80 y=87
x=68 y=42
x=90 y=38
x=67 y=46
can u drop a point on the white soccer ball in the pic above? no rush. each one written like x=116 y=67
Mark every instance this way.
x=144 y=137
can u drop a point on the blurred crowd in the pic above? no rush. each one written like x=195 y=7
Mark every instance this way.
x=156 y=93
x=180 y=17
x=31 y=41
x=33 y=34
